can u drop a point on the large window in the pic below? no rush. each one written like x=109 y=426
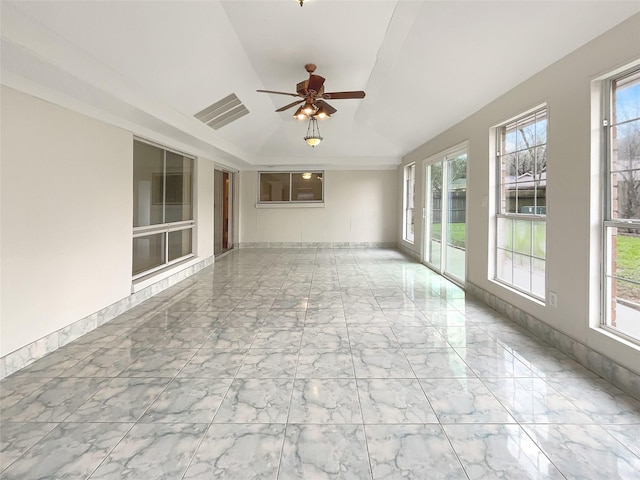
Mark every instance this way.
x=291 y=187
x=521 y=217
x=162 y=208
x=622 y=212
x=409 y=202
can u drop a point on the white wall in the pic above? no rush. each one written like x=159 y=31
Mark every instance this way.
x=204 y=207
x=360 y=206
x=67 y=207
x=571 y=227
x=66 y=217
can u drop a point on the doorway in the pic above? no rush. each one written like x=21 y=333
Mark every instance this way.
x=446 y=209
x=222 y=208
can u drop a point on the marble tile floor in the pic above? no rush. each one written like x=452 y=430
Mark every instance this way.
x=314 y=364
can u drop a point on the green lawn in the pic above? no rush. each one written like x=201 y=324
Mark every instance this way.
x=628 y=258
x=520 y=242
x=457 y=232
x=628 y=263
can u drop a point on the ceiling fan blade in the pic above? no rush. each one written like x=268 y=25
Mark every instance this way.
x=282 y=109
x=343 y=95
x=315 y=83
x=279 y=93
x=327 y=108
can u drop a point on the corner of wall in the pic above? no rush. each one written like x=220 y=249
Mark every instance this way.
x=28 y=354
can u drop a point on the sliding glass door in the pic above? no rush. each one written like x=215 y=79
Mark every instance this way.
x=445 y=208
x=434 y=215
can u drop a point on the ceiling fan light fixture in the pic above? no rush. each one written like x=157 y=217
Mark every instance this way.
x=313 y=141
x=300 y=2
x=306 y=176
x=300 y=115
x=313 y=137
x=309 y=109
x=321 y=113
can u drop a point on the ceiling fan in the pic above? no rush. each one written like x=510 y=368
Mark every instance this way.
x=313 y=97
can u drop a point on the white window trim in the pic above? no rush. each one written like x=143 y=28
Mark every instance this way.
x=497 y=214
x=167 y=228
x=290 y=203
x=604 y=121
x=405 y=231
x=442 y=158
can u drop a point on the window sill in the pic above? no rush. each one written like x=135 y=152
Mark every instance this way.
x=291 y=205
x=616 y=335
x=614 y=347
x=520 y=293
x=158 y=275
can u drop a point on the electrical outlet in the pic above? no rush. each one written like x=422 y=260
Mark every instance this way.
x=553 y=299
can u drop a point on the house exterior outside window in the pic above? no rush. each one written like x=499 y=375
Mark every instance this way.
x=521 y=162
x=621 y=226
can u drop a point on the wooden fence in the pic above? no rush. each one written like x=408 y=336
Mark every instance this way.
x=457 y=207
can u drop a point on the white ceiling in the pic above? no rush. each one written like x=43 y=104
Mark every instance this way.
x=149 y=66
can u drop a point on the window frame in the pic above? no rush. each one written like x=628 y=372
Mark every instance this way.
x=167 y=228
x=409 y=202
x=608 y=219
x=262 y=203
x=538 y=112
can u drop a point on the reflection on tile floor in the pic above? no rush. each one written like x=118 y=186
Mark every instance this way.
x=314 y=364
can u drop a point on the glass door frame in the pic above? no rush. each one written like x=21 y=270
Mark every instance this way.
x=442 y=158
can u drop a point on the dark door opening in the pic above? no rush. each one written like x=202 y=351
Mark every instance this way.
x=223 y=195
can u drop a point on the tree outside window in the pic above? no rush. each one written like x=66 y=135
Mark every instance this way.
x=622 y=222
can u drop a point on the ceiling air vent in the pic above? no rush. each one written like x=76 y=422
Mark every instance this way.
x=221 y=113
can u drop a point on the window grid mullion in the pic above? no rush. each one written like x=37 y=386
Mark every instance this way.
x=531 y=255
x=164 y=186
x=153 y=263
x=513 y=250
x=512 y=192
x=612 y=297
x=625 y=279
x=262 y=181
x=290 y=186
